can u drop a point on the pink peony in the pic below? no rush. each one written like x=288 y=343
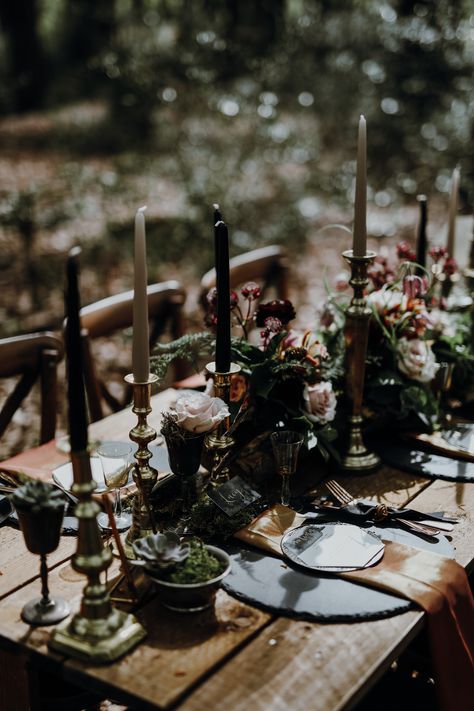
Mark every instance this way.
x=320 y=402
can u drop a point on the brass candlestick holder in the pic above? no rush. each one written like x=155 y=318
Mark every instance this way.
x=218 y=442
x=144 y=476
x=357 y=458
x=98 y=633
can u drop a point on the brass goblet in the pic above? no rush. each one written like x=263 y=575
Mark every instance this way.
x=40 y=509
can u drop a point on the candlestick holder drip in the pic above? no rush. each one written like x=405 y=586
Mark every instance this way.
x=219 y=442
x=99 y=633
x=144 y=476
x=358 y=458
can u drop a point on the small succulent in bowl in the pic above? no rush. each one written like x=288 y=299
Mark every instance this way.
x=161 y=550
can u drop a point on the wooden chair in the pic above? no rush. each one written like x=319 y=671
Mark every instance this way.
x=107 y=316
x=268 y=266
x=33 y=357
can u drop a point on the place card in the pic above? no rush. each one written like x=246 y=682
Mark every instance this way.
x=234 y=496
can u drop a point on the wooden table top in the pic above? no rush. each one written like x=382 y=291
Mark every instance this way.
x=236 y=654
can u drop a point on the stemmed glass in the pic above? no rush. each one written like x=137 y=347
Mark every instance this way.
x=115 y=460
x=286 y=446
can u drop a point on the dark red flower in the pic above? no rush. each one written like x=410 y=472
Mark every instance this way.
x=234 y=300
x=405 y=252
x=279 y=308
x=251 y=291
x=437 y=253
x=450 y=266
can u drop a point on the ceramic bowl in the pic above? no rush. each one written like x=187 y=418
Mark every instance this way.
x=194 y=597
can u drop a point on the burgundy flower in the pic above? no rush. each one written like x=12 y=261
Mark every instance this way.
x=280 y=309
x=251 y=291
x=413 y=286
x=450 y=266
x=234 y=300
x=437 y=253
x=405 y=252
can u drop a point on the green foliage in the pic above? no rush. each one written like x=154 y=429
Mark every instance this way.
x=191 y=347
x=208 y=520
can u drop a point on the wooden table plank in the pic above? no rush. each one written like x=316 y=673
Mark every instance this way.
x=19 y=566
x=299 y=666
x=177 y=652
x=455 y=499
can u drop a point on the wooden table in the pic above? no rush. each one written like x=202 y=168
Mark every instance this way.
x=238 y=656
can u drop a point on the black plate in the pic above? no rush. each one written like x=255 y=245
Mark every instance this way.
x=277 y=585
x=415 y=461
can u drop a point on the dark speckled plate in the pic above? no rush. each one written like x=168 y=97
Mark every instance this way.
x=415 y=461
x=279 y=586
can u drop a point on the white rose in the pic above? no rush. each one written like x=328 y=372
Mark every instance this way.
x=443 y=323
x=320 y=402
x=198 y=412
x=385 y=299
x=416 y=359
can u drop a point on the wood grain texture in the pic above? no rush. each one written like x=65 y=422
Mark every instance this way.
x=18 y=567
x=455 y=499
x=300 y=666
x=386 y=486
x=177 y=652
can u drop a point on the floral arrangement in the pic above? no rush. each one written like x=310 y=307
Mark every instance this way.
x=285 y=379
x=412 y=335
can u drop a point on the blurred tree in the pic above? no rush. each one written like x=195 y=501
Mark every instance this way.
x=26 y=64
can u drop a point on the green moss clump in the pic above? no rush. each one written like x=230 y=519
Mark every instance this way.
x=199 y=566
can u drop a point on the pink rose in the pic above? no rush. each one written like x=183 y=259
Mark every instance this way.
x=320 y=402
x=416 y=359
x=198 y=412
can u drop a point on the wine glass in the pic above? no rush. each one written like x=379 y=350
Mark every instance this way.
x=115 y=460
x=286 y=446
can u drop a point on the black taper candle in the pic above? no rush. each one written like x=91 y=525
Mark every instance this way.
x=77 y=411
x=217 y=218
x=421 y=238
x=223 y=298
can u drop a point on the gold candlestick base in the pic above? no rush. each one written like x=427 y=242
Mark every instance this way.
x=358 y=458
x=219 y=443
x=144 y=476
x=98 y=633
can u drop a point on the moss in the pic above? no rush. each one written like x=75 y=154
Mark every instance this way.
x=199 y=566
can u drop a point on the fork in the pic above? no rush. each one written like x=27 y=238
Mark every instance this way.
x=346 y=499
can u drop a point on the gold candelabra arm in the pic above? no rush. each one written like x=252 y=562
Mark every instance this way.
x=144 y=476
x=357 y=457
x=219 y=442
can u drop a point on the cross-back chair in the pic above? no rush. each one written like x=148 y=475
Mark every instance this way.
x=268 y=266
x=34 y=357
x=115 y=313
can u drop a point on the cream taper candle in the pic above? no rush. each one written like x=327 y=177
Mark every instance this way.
x=141 y=348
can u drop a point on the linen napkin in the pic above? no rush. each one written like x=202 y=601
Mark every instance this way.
x=437 y=584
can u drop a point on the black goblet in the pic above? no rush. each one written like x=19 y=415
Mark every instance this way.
x=40 y=509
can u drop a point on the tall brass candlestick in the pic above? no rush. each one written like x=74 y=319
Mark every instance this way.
x=218 y=442
x=99 y=633
x=357 y=458
x=144 y=476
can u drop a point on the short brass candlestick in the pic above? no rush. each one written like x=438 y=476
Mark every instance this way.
x=144 y=476
x=218 y=442
x=357 y=458
x=98 y=633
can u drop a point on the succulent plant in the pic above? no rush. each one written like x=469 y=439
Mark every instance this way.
x=161 y=550
x=37 y=495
